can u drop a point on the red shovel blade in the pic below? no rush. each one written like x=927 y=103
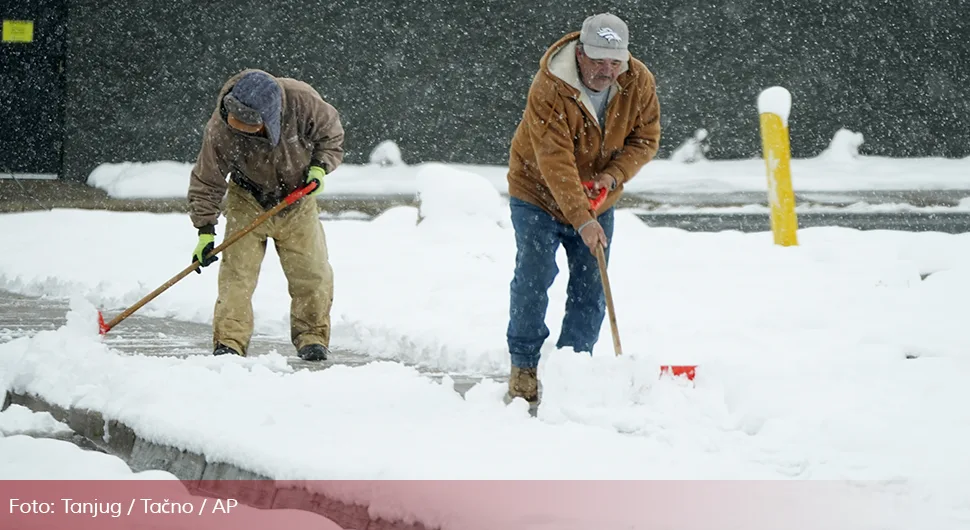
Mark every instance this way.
x=679 y=370
x=102 y=327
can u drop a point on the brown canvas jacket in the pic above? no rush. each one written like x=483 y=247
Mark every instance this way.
x=310 y=133
x=559 y=144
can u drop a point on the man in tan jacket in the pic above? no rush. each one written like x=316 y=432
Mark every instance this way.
x=270 y=136
x=591 y=116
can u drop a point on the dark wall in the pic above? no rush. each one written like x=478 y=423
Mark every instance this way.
x=447 y=80
x=32 y=88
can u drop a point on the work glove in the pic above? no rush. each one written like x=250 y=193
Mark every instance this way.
x=206 y=243
x=316 y=174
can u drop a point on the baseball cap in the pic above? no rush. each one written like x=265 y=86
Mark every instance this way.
x=605 y=36
x=257 y=99
x=241 y=111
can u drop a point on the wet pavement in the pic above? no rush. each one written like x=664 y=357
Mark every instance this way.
x=947 y=222
x=23 y=316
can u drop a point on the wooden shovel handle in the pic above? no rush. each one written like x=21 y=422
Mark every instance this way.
x=287 y=201
x=601 y=258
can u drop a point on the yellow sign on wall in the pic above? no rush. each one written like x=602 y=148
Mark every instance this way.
x=18 y=31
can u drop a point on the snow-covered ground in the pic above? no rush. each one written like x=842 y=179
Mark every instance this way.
x=803 y=352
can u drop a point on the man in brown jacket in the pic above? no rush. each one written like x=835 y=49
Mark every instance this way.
x=270 y=136
x=591 y=116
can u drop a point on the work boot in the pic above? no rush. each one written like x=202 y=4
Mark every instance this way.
x=222 y=349
x=524 y=383
x=313 y=352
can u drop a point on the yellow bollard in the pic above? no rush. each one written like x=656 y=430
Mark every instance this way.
x=774 y=106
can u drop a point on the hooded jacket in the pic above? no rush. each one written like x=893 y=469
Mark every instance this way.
x=559 y=144
x=310 y=133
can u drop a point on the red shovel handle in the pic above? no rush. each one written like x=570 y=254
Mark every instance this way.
x=596 y=202
x=300 y=193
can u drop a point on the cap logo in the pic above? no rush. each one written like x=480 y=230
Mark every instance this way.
x=608 y=34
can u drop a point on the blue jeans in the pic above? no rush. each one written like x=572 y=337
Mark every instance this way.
x=537 y=239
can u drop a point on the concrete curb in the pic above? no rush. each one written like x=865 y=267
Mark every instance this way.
x=200 y=477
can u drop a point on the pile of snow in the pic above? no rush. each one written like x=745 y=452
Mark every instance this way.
x=459 y=198
x=21 y=420
x=692 y=150
x=137 y=180
x=387 y=153
x=25 y=457
x=844 y=147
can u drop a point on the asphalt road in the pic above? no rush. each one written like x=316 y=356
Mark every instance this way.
x=24 y=316
x=947 y=222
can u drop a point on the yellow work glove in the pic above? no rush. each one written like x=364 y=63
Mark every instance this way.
x=316 y=174
x=204 y=246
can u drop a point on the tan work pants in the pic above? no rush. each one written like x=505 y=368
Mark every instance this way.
x=302 y=248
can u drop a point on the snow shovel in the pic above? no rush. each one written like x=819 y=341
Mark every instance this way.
x=103 y=327
x=674 y=370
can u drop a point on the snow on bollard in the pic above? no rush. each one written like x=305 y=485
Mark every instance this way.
x=774 y=107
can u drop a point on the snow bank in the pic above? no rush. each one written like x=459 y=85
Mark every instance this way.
x=386 y=174
x=692 y=150
x=137 y=180
x=459 y=198
x=387 y=153
x=844 y=147
x=21 y=420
